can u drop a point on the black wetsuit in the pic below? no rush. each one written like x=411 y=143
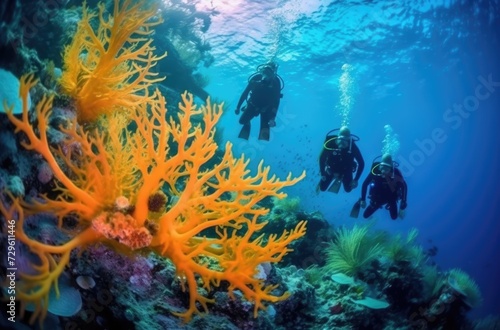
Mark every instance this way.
x=339 y=162
x=384 y=190
x=264 y=100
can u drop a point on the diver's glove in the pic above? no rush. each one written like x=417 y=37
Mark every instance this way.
x=362 y=203
x=272 y=123
x=403 y=205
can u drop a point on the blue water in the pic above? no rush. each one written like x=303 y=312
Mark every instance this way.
x=412 y=64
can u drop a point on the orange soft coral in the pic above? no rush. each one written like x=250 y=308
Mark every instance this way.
x=110 y=68
x=109 y=182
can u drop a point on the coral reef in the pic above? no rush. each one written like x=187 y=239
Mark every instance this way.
x=116 y=162
x=111 y=68
x=182 y=37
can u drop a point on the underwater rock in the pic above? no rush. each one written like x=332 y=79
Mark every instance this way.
x=179 y=76
x=310 y=250
x=299 y=307
x=15 y=186
x=10 y=16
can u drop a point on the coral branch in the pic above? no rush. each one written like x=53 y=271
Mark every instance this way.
x=111 y=68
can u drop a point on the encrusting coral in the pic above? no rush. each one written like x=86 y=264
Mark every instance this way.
x=110 y=68
x=107 y=182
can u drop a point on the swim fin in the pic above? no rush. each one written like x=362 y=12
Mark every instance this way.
x=264 y=134
x=245 y=132
x=355 y=210
x=335 y=187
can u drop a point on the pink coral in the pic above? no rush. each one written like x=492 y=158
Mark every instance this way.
x=121 y=227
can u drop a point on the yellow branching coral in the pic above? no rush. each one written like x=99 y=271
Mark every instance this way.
x=110 y=68
x=116 y=180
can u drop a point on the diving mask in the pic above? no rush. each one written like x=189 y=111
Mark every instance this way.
x=342 y=142
x=385 y=168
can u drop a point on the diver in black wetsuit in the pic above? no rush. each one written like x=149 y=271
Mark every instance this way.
x=387 y=186
x=264 y=88
x=339 y=159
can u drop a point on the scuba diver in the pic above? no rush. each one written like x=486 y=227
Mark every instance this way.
x=387 y=186
x=339 y=159
x=262 y=96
